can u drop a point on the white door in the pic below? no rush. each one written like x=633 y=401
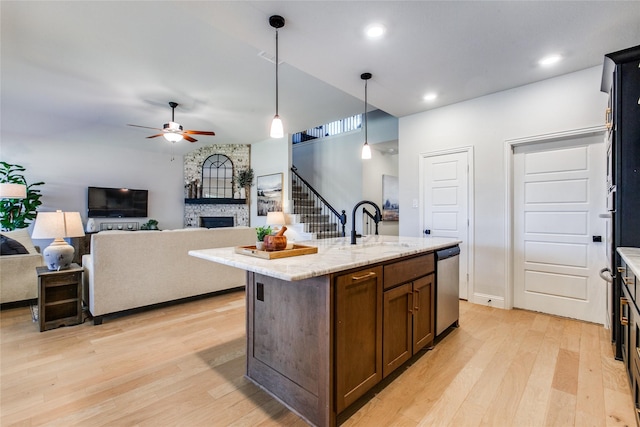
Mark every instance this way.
x=559 y=191
x=445 y=201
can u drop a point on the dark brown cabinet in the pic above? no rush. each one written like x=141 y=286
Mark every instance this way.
x=408 y=310
x=358 y=334
x=59 y=297
x=630 y=331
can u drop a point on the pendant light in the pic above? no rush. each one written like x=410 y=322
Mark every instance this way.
x=366 y=150
x=277 y=131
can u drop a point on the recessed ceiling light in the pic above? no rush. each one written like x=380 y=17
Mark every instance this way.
x=549 y=60
x=375 y=31
x=430 y=96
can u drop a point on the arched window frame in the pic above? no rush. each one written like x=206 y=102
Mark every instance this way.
x=217 y=177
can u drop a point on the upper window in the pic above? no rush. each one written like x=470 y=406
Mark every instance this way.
x=217 y=177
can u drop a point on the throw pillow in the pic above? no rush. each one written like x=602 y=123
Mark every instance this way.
x=11 y=247
x=21 y=236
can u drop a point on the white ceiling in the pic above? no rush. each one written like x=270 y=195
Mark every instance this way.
x=89 y=68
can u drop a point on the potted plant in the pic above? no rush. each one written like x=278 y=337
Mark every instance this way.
x=152 y=224
x=18 y=213
x=244 y=180
x=261 y=232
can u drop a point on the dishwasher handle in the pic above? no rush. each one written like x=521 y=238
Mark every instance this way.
x=447 y=253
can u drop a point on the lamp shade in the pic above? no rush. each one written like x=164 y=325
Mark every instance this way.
x=58 y=224
x=277 y=130
x=13 y=191
x=366 y=151
x=276 y=218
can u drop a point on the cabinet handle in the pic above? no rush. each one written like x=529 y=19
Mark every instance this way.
x=365 y=276
x=622 y=269
x=608 y=124
x=416 y=298
x=623 y=319
x=409 y=305
x=627 y=280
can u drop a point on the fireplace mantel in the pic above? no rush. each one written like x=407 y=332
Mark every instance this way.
x=215 y=201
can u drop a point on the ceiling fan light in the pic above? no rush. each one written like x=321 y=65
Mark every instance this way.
x=172 y=136
x=277 y=130
x=366 y=151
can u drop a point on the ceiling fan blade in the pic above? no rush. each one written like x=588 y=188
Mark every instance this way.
x=188 y=138
x=144 y=127
x=155 y=136
x=199 y=132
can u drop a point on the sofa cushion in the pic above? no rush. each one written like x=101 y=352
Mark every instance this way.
x=9 y=246
x=22 y=237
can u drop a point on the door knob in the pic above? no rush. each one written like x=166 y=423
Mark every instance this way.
x=427 y=231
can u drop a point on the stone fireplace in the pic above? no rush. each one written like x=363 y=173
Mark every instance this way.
x=237 y=210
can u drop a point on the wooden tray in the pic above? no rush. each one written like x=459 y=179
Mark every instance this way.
x=295 y=251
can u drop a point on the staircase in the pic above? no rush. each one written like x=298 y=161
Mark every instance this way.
x=313 y=217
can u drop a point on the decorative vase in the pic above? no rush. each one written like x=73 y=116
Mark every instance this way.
x=91 y=225
x=259 y=246
x=243 y=193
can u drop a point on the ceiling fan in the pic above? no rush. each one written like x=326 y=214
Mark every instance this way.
x=173 y=131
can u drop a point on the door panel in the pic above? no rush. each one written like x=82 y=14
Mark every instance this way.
x=558 y=193
x=446 y=204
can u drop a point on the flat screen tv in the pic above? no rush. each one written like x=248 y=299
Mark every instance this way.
x=117 y=202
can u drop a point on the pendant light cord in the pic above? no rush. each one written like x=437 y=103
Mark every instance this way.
x=366 y=124
x=276 y=71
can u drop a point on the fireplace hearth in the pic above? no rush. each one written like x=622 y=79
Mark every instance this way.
x=216 y=221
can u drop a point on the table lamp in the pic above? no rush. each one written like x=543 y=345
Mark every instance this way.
x=58 y=225
x=13 y=191
x=276 y=218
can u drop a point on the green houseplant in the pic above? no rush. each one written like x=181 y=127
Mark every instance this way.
x=18 y=213
x=244 y=180
x=261 y=232
x=152 y=224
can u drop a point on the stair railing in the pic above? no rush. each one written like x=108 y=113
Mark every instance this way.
x=311 y=214
x=367 y=217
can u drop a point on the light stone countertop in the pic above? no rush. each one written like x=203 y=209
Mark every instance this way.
x=333 y=255
x=632 y=257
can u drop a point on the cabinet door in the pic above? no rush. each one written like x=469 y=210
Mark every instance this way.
x=358 y=350
x=397 y=330
x=423 y=312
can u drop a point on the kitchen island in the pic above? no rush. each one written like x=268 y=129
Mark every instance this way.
x=324 y=328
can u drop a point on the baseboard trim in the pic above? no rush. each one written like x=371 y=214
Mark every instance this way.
x=18 y=304
x=489 y=300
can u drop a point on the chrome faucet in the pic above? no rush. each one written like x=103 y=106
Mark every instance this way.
x=377 y=218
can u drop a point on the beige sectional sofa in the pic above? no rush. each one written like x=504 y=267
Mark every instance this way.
x=132 y=269
x=18 y=277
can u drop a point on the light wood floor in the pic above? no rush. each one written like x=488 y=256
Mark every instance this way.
x=183 y=365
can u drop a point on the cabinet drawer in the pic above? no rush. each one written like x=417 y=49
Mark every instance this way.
x=407 y=270
x=60 y=279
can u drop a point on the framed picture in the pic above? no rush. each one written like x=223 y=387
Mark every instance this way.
x=390 y=198
x=269 y=189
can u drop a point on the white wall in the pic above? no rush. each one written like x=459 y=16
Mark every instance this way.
x=572 y=101
x=332 y=165
x=69 y=163
x=269 y=157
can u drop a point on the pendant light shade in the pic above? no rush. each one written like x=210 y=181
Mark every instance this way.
x=366 y=150
x=277 y=130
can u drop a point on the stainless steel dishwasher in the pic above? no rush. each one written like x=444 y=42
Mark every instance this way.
x=447 y=288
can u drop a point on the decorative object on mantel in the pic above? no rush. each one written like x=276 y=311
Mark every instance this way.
x=261 y=233
x=17 y=212
x=152 y=224
x=276 y=242
x=194 y=190
x=58 y=225
x=296 y=250
x=244 y=180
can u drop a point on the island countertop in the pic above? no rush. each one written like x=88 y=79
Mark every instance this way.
x=333 y=255
x=631 y=257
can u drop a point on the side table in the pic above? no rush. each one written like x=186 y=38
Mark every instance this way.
x=59 y=297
